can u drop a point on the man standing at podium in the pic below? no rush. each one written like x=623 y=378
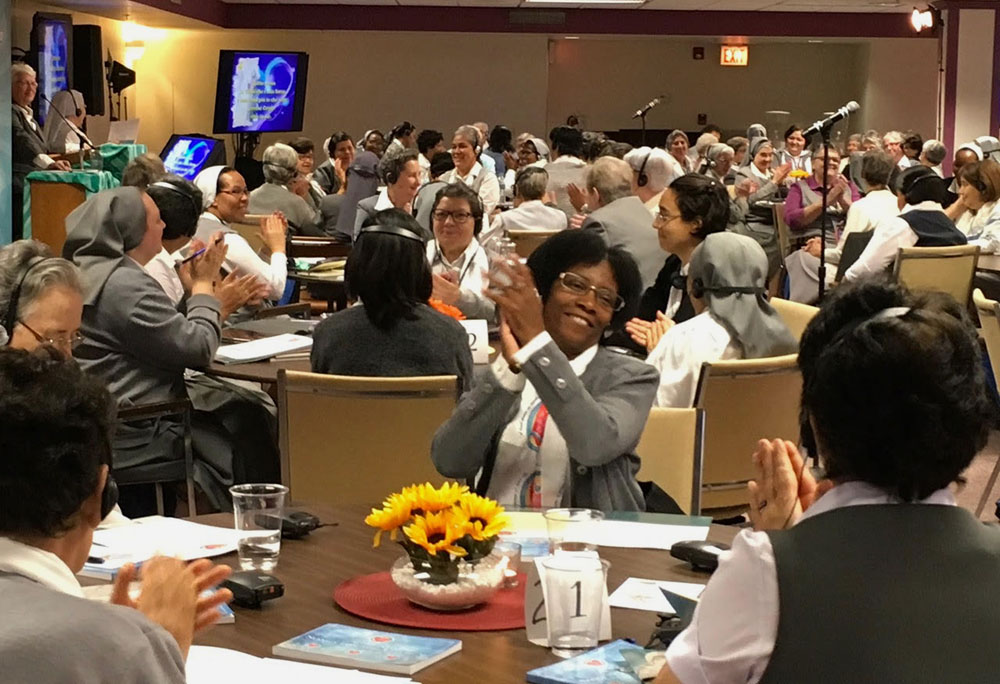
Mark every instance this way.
x=28 y=148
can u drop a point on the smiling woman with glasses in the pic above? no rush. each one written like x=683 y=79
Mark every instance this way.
x=459 y=264
x=556 y=421
x=40 y=298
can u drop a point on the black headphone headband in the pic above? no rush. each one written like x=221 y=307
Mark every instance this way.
x=10 y=316
x=699 y=290
x=391 y=230
x=643 y=179
x=183 y=192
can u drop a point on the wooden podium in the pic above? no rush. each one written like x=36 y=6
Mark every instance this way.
x=50 y=196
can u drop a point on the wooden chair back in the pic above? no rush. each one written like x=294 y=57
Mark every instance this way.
x=744 y=401
x=796 y=315
x=938 y=269
x=357 y=439
x=527 y=241
x=784 y=234
x=671 y=450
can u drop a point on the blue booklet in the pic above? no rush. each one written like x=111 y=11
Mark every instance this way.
x=334 y=644
x=603 y=665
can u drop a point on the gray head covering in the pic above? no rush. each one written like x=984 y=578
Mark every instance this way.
x=99 y=233
x=756 y=131
x=725 y=262
x=362 y=182
x=66 y=102
x=755 y=145
x=208 y=182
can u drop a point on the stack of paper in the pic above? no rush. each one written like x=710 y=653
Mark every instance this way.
x=644 y=594
x=209 y=665
x=143 y=538
x=652 y=531
x=258 y=350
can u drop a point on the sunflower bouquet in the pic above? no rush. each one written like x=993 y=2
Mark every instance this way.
x=441 y=527
x=799 y=174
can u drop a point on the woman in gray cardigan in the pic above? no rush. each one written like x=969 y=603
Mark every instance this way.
x=551 y=372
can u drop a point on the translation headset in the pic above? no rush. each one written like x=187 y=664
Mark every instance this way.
x=183 y=192
x=109 y=495
x=643 y=180
x=698 y=289
x=391 y=230
x=79 y=109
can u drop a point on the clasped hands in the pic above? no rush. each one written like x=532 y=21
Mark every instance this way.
x=783 y=488
x=512 y=287
x=171 y=595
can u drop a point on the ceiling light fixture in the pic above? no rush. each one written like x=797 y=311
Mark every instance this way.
x=921 y=19
x=571 y=37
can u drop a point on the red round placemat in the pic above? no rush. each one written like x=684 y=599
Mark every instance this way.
x=376 y=597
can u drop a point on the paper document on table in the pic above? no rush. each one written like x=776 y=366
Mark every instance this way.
x=124 y=132
x=210 y=665
x=265 y=348
x=645 y=594
x=627 y=534
x=143 y=538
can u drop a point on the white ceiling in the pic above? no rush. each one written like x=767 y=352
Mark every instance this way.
x=716 y=5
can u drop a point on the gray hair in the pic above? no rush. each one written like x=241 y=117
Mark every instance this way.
x=677 y=133
x=18 y=69
x=935 y=151
x=877 y=167
x=611 y=177
x=659 y=167
x=280 y=164
x=143 y=171
x=531 y=182
x=470 y=133
x=16 y=258
x=893 y=136
x=393 y=162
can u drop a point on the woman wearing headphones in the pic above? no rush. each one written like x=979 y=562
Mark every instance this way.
x=726 y=284
x=63 y=134
x=399 y=169
x=458 y=262
x=391 y=331
x=465 y=150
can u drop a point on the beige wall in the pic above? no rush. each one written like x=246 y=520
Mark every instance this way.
x=359 y=80
x=901 y=90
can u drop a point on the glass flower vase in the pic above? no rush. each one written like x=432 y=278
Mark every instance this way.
x=455 y=585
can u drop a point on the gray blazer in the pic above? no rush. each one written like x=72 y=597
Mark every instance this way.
x=57 y=638
x=270 y=197
x=601 y=415
x=366 y=210
x=626 y=223
x=28 y=144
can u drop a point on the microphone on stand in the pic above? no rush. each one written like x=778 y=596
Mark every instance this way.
x=84 y=140
x=639 y=113
x=838 y=115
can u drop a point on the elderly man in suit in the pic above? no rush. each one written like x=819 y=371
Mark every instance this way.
x=28 y=150
x=620 y=217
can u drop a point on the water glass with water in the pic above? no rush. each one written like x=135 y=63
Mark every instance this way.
x=575 y=585
x=258 y=509
x=572 y=529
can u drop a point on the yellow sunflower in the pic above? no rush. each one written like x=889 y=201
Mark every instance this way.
x=436 y=532
x=483 y=518
x=799 y=173
x=425 y=498
x=395 y=513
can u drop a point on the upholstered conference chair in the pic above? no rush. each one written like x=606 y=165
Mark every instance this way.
x=671 y=450
x=939 y=269
x=794 y=314
x=348 y=439
x=527 y=241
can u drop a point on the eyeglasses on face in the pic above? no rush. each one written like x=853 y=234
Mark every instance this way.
x=580 y=286
x=457 y=216
x=662 y=217
x=59 y=341
x=236 y=192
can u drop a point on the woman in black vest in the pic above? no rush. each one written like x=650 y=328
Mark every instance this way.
x=874 y=574
x=921 y=223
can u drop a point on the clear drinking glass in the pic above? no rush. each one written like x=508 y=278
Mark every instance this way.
x=575 y=584
x=257 y=509
x=512 y=552
x=572 y=529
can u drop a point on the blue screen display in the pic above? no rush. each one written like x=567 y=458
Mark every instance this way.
x=188 y=155
x=53 y=61
x=263 y=91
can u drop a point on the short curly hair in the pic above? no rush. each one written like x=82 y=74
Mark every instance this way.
x=57 y=428
x=570 y=248
x=893 y=385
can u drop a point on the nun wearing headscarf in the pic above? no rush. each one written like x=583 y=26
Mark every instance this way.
x=362 y=183
x=719 y=163
x=224 y=199
x=758 y=188
x=134 y=337
x=727 y=283
x=65 y=135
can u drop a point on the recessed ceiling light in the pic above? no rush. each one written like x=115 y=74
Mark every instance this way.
x=814 y=41
x=571 y=37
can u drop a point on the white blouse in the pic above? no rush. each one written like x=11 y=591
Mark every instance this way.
x=682 y=350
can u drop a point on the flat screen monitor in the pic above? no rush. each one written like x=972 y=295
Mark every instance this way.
x=260 y=92
x=187 y=155
x=51 y=51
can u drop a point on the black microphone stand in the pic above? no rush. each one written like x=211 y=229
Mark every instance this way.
x=642 y=118
x=824 y=213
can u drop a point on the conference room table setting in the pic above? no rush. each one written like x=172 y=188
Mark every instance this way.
x=312 y=568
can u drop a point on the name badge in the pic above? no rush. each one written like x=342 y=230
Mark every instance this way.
x=478 y=334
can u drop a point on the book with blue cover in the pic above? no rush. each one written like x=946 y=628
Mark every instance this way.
x=602 y=665
x=367 y=649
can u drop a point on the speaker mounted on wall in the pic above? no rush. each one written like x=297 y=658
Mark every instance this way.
x=88 y=66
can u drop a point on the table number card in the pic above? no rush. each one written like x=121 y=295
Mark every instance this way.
x=478 y=339
x=535 y=625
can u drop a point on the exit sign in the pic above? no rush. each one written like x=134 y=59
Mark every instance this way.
x=735 y=55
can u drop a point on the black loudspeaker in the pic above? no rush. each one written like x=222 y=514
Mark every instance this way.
x=88 y=67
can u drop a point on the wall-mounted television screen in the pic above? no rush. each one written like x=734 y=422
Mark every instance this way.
x=52 y=54
x=260 y=92
x=187 y=155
